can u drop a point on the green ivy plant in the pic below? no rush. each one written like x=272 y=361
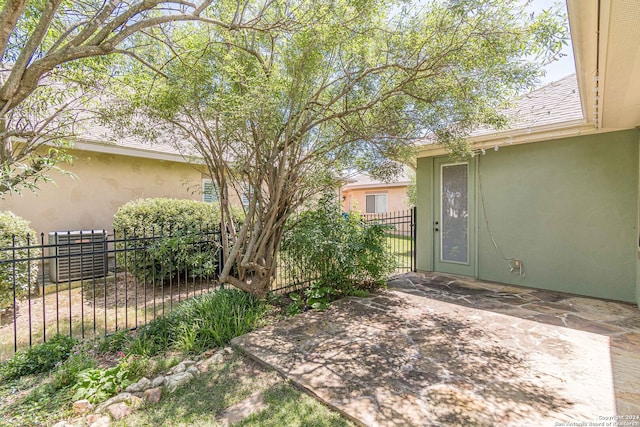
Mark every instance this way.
x=317 y=297
x=97 y=385
x=39 y=358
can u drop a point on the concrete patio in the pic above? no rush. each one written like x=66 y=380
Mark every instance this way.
x=444 y=351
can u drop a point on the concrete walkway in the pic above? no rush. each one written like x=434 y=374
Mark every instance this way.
x=446 y=351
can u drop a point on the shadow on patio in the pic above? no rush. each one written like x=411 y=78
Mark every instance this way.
x=435 y=350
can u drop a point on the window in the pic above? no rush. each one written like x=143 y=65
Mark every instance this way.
x=209 y=191
x=376 y=203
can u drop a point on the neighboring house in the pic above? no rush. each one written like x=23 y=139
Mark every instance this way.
x=556 y=207
x=106 y=177
x=371 y=196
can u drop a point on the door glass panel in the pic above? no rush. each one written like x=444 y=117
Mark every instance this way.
x=454 y=243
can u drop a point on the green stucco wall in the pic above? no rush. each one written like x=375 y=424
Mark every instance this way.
x=424 y=207
x=567 y=208
x=638 y=240
x=638 y=280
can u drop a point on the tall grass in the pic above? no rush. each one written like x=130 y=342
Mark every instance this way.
x=203 y=322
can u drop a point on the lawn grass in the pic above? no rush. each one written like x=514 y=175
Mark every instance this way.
x=204 y=400
x=30 y=402
x=202 y=323
x=401 y=247
x=288 y=406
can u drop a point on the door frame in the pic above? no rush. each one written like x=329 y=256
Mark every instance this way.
x=470 y=268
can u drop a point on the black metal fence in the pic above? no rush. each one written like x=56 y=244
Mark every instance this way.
x=401 y=243
x=90 y=283
x=401 y=237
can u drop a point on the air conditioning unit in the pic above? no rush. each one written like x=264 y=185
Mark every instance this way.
x=77 y=255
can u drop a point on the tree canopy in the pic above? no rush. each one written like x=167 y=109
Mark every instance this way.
x=353 y=83
x=52 y=50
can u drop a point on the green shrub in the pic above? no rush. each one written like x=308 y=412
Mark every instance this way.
x=26 y=273
x=203 y=322
x=39 y=358
x=183 y=247
x=340 y=250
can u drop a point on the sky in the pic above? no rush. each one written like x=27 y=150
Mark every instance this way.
x=563 y=67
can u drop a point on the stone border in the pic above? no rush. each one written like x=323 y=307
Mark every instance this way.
x=144 y=390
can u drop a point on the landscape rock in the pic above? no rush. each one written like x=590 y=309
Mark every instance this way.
x=178 y=369
x=153 y=394
x=63 y=424
x=99 y=420
x=125 y=403
x=203 y=366
x=82 y=407
x=183 y=366
x=141 y=385
x=122 y=397
x=216 y=359
x=134 y=402
x=92 y=418
x=228 y=350
x=208 y=354
x=119 y=410
x=157 y=381
x=174 y=381
x=241 y=410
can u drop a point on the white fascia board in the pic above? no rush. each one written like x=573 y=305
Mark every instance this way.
x=583 y=24
x=521 y=136
x=378 y=185
x=98 y=147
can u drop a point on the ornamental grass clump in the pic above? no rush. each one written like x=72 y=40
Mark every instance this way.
x=203 y=322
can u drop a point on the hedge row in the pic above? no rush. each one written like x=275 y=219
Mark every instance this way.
x=189 y=244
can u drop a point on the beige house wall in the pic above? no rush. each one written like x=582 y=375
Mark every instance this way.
x=355 y=199
x=103 y=183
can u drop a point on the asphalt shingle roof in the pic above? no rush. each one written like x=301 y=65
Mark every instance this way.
x=557 y=102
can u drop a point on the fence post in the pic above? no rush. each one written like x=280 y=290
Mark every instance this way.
x=414 y=226
x=223 y=229
x=15 y=283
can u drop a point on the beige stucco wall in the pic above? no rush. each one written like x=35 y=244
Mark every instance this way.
x=103 y=183
x=355 y=199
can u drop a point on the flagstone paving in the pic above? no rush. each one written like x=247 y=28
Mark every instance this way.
x=444 y=351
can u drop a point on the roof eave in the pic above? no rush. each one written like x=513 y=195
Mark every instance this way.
x=375 y=185
x=100 y=147
x=520 y=136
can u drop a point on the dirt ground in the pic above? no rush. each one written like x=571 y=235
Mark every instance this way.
x=91 y=309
